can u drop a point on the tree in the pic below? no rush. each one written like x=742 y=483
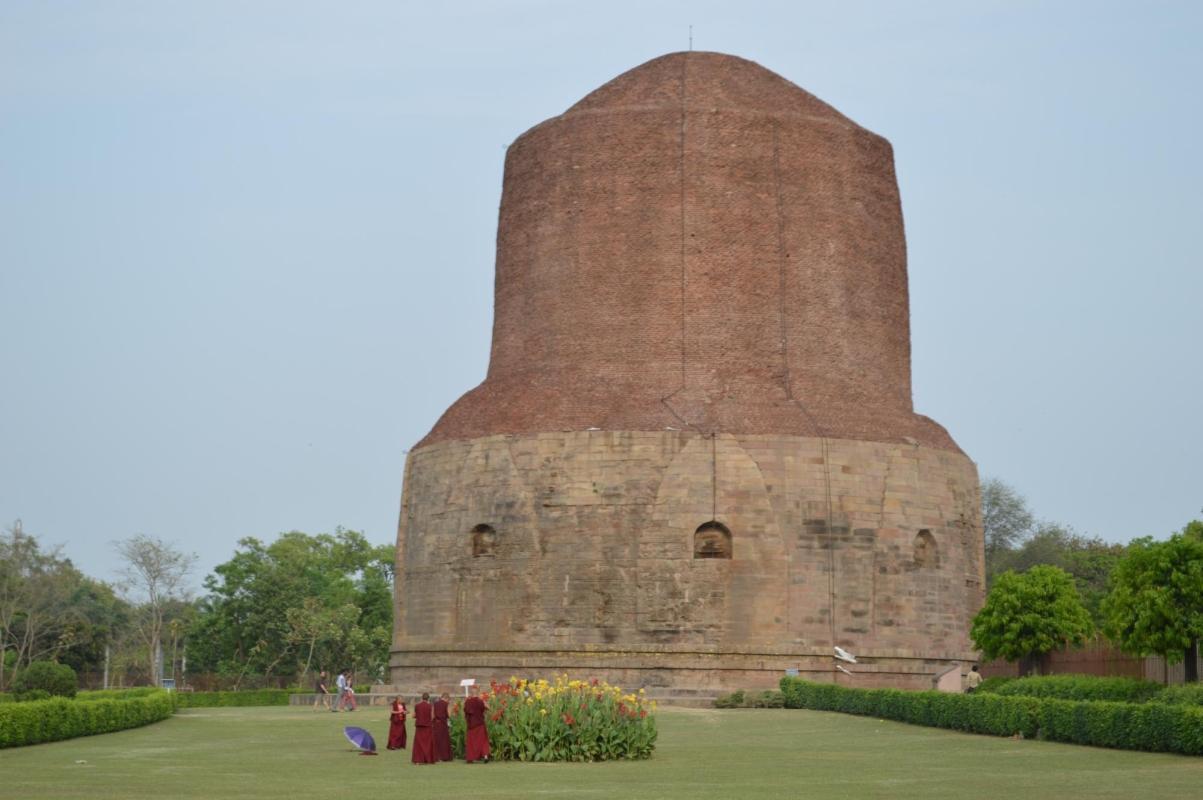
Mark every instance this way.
x=1088 y=560
x=1006 y=520
x=1028 y=615
x=1156 y=599
x=156 y=573
x=275 y=609
x=37 y=615
x=57 y=680
x=99 y=620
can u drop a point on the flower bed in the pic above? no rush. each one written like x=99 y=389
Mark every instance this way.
x=568 y=720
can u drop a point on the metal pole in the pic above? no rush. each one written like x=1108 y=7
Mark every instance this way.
x=106 y=666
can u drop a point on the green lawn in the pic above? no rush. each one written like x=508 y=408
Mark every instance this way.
x=294 y=753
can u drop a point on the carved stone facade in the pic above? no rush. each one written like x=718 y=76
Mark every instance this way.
x=694 y=461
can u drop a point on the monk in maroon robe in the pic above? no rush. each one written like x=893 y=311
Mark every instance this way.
x=442 y=734
x=423 y=752
x=476 y=741
x=396 y=725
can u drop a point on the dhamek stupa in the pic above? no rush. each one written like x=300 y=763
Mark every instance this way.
x=694 y=461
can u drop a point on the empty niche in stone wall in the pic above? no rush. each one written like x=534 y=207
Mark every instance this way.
x=712 y=540
x=484 y=540
x=926 y=554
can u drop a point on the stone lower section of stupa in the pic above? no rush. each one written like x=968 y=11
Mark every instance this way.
x=589 y=553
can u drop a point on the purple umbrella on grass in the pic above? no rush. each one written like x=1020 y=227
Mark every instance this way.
x=361 y=739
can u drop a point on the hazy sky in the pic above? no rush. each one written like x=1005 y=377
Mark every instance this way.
x=246 y=248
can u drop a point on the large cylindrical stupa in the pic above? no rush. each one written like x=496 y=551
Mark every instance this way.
x=694 y=461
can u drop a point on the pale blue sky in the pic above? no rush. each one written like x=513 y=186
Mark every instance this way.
x=246 y=249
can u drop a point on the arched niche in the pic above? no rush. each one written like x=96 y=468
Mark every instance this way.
x=926 y=554
x=712 y=540
x=484 y=540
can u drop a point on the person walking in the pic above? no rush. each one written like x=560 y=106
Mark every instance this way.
x=322 y=691
x=349 y=692
x=396 y=725
x=340 y=691
x=973 y=680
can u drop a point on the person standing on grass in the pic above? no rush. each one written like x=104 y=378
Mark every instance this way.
x=442 y=734
x=322 y=692
x=340 y=691
x=476 y=741
x=351 y=690
x=423 y=752
x=973 y=680
x=396 y=725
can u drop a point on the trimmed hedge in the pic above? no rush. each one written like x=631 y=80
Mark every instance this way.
x=1090 y=687
x=1080 y=687
x=1189 y=695
x=257 y=697
x=116 y=694
x=973 y=713
x=48 y=676
x=991 y=684
x=58 y=718
x=1129 y=726
x=742 y=699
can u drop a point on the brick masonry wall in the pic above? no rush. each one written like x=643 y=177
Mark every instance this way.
x=699 y=244
x=592 y=565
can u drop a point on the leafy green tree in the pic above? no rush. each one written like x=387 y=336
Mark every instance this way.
x=1088 y=560
x=55 y=679
x=100 y=619
x=37 y=613
x=1030 y=614
x=274 y=610
x=1156 y=599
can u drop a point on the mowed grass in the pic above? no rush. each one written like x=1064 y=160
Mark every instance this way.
x=295 y=753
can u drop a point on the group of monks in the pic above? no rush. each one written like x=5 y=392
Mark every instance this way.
x=432 y=736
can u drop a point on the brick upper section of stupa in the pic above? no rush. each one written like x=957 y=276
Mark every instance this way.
x=699 y=244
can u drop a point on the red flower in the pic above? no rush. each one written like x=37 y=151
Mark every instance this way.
x=642 y=713
x=568 y=720
x=593 y=682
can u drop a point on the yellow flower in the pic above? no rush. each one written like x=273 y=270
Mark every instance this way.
x=543 y=712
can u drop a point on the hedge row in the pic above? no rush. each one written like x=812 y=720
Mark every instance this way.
x=1129 y=726
x=1080 y=687
x=742 y=699
x=257 y=697
x=1089 y=687
x=116 y=694
x=1189 y=695
x=59 y=718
